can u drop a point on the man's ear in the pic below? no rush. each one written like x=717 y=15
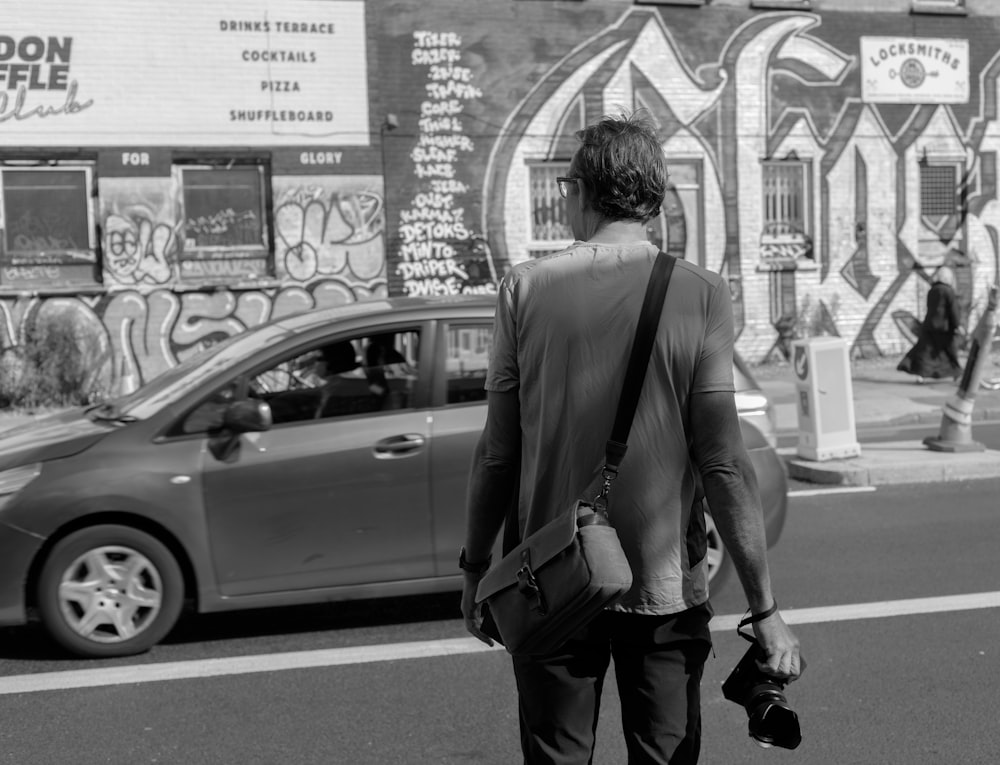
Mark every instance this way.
x=583 y=194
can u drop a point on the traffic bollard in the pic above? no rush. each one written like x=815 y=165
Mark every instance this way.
x=955 y=434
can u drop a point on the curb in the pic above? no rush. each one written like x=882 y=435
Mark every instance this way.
x=894 y=462
x=912 y=418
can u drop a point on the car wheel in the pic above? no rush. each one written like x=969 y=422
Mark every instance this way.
x=720 y=565
x=109 y=591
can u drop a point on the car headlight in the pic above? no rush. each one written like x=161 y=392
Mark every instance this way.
x=15 y=479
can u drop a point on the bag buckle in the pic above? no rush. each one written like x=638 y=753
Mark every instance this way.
x=609 y=473
x=527 y=585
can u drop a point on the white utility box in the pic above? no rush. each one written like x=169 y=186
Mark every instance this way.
x=825 y=399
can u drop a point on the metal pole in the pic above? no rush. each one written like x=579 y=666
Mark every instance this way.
x=955 y=434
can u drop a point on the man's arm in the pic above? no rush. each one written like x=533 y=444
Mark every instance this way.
x=731 y=490
x=496 y=467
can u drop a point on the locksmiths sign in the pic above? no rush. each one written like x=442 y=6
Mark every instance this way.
x=187 y=72
x=914 y=70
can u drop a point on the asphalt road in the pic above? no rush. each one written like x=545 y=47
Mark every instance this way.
x=915 y=687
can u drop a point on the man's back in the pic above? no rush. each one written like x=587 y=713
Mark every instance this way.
x=565 y=326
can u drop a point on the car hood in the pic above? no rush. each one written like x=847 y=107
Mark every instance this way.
x=50 y=437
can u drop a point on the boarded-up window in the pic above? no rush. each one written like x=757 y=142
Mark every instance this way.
x=47 y=230
x=46 y=213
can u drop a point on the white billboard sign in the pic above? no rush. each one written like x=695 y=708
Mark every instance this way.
x=914 y=70
x=187 y=72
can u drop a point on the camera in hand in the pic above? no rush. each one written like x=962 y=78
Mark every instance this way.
x=772 y=722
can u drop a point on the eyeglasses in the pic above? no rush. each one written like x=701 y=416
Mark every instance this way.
x=563 y=184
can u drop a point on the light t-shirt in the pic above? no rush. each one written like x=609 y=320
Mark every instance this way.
x=563 y=333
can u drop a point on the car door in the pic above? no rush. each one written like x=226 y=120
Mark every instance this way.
x=336 y=492
x=459 y=417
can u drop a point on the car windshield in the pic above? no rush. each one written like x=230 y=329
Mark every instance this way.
x=193 y=370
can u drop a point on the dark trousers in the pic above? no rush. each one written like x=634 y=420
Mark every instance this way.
x=658 y=667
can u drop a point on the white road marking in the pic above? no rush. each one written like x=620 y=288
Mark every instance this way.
x=833 y=490
x=239 y=665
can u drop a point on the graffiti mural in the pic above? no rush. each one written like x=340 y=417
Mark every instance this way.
x=135 y=336
x=824 y=165
x=329 y=251
x=439 y=254
x=330 y=227
x=829 y=195
x=140 y=241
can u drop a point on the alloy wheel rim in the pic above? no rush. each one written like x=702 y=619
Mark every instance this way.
x=110 y=594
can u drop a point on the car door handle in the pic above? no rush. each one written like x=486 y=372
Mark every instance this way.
x=399 y=445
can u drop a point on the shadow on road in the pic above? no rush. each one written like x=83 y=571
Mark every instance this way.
x=322 y=617
x=31 y=644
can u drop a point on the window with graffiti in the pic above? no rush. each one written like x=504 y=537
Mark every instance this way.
x=942 y=201
x=786 y=240
x=938 y=190
x=938 y=6
x=226 y=233
x=47 y=221
x=549 y=227
x=781 y=5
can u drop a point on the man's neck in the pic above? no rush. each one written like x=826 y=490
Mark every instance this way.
x=619 y=232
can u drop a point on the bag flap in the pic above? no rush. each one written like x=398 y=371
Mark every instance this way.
x=545 y=544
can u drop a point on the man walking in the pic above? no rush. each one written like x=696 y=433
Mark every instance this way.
x=562 y=337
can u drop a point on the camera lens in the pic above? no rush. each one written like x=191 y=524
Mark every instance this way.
x=772 y=722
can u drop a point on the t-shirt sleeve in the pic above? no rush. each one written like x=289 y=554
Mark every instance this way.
x=715 y=367
x=502 y=373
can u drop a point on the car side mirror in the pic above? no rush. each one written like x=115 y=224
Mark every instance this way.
x=248 y=416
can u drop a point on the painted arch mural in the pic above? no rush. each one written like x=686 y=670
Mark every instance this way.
x=777 y=91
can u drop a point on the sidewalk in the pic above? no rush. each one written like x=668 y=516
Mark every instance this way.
x=885 y=397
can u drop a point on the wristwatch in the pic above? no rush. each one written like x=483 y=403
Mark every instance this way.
x=473 y=568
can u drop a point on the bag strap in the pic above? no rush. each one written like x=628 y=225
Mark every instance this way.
x=638 y=362
x=635 y=373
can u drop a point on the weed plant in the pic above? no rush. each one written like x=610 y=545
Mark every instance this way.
x=53 y=367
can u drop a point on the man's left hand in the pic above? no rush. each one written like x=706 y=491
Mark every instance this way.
x=784 y=660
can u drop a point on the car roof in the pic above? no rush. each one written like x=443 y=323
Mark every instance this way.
x=399 y=307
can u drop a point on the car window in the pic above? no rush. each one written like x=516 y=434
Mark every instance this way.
x=467 y=358
x=351 y=376
x=209 y=415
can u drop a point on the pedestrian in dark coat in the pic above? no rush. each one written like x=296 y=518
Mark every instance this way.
x=935 y=354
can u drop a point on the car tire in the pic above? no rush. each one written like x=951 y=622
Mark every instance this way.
x=720 y=565
x=109 y=591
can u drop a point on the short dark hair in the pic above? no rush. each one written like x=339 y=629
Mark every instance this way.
x=621 y=161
